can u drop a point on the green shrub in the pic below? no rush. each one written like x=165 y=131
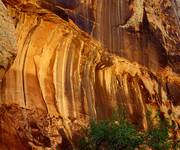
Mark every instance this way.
x=118 y=133
x=113 y=135
x=124 y=136
x=158 y=139
x=99 y=132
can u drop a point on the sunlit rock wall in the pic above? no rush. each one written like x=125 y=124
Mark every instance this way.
x=150 y=39
x=78 y=61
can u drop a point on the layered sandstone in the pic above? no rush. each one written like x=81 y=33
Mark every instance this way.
x=62 y=77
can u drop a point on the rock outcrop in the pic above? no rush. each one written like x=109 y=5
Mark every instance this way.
x=78 y=60
x=8 y=47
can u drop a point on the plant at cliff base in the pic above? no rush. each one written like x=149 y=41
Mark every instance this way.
x=111 y=135
x=158 y=138
x=118 y=133
x=114 y=134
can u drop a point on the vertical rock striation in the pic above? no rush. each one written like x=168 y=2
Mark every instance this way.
x=78 y=60
x=109 y=22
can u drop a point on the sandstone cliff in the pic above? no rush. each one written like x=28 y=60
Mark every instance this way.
x=8 y=40
x=78 y=60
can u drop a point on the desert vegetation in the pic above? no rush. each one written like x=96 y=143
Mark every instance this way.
x=118 y=133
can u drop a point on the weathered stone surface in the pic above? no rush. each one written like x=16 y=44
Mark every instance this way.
x=166 y=29
x=7 y=40
x=108 y=22
x=177 y=4
x=62 y=77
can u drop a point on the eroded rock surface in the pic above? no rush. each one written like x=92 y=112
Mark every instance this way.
x=8 y=47
x=62 y=77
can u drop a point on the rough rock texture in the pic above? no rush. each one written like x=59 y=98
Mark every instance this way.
x=110 y=27
x=7 y=40
x=177 y=3
x=62 y=77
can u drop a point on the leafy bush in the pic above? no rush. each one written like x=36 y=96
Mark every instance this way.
x=118 y=133
x=158 y=139
x=111 y=135
x=124 y=136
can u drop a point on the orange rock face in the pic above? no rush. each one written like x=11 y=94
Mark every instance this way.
x=78 y=60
